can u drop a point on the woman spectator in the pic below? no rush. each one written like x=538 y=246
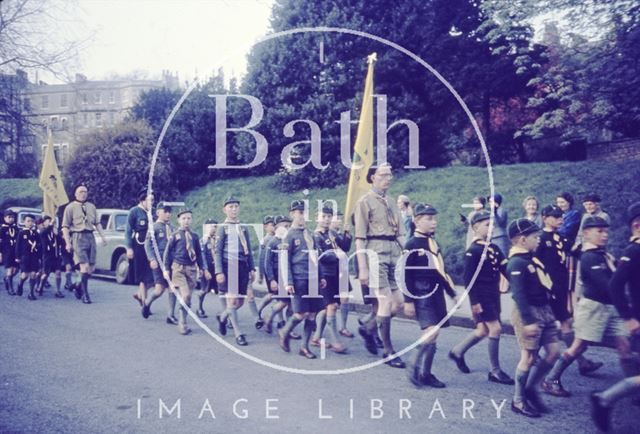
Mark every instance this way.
x=478 y=205
x=531 y=207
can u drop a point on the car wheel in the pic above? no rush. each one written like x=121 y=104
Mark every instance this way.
x=122 y=269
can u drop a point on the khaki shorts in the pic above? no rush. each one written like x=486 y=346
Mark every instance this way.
x=595 y=321
x=547 y=328
x=184 y=277
x=84 y=247
x=389 y=253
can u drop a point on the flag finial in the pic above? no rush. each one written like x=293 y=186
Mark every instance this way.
x=372 y=58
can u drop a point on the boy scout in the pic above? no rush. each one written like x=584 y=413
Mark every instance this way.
x=28 y=255
x=162 y=231
x=51 y=252
x=484 y=297
x=234 y=267
x=268 y=224
x=378 y=228
x=424 y=294
x=184 y=262
x=304 y=270
x=134 y=236
x=79 y=221
x=330 y=253
x=626 y=276
x=554 y=251
x=272 y=271
x=8 y=239
x=532 y=318
x=596 y=318
x=207 y=283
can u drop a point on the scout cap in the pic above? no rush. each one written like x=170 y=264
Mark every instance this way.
x=497 y=198
x=231 y=199
x=142 y=194
x=633 y=212
x=9 y=212
x=210 y=222
x=282 y=219
x=551 y=211
x=297 y=205
x=480 y=216
x=595 y=222
x=591 y=197
x=164 y=206
x=522 y=227
x=268 y=219
x=424 y=209
x=184 y=211
x=327 y=210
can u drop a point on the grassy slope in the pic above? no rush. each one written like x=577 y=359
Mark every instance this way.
x=448 y=188
x=20 y=192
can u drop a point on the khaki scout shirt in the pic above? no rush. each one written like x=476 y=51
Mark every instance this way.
x=79 y=217
x=377 y=216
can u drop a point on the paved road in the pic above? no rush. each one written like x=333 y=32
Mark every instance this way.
x=68 y=367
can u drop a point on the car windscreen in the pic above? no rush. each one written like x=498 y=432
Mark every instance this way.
x=121 y=222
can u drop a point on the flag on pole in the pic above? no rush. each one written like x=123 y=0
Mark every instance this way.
x=51 y=182
x=363 y=149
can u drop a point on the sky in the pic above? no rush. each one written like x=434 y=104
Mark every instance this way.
x=185 y=36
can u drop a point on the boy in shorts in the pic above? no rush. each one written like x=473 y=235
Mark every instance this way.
x=28 y=255
x=532 y=318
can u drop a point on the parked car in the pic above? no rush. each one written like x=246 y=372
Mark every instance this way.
x=111 y=260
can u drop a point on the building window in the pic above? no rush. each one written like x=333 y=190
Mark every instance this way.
x=98 y=119
x=84 y=99
x=112 y=118
x=85 y=119
x=97 y=98
x=112 y=97
x=63 y=100
x=63 y=123
x=53 y=122
x=45 y=101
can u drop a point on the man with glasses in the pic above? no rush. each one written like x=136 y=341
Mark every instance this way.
x=79 y=221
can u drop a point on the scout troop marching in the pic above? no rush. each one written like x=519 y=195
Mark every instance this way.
x=307 y=278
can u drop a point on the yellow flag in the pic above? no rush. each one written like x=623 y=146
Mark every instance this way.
x=51 y=182
x=363 y=149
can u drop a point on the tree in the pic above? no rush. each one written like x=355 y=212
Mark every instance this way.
x=115 y=164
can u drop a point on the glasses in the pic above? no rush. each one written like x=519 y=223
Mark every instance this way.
x=385 y=175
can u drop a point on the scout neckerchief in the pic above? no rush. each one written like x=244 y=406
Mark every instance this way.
x=609 y=260
x=330 y=237
x=537 y=267
x=559 y=245
x=32 y=244
x=490 y=250
x=189 y=245
x=310 y=248
x=240 y=232
x=391 y=217
x=11 y=230
x=439 y=262
x=52 y=242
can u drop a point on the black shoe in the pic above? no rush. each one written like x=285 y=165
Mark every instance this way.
x=535 y=401
x=31 y=297
x=68 y=287
x=306 y=353
x=369 y=342
x=378 y=341
x=172 y=320
x=86 y=299
x=459 y=360
x=259 y=324
x=280 y=324
x=77 y=290
x=396 y=362
x=284 y=342
x=222 y=326
x=501 y=378
x=19 y=291
x=145 y=311
x=588 y=367
x=600 y=413
x=431 y=381
x=229 y=324
x=414 y=376
x=58 y=295
x=201 y=313
x=295 y=336
x=524 y=409
x=268 y=327
x=242 y=341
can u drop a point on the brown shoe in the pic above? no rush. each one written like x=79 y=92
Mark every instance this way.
x=338 y=348
x=524 y=409
x=316 y=343
x=306 y=353
x=346 y=333
x=554 y=388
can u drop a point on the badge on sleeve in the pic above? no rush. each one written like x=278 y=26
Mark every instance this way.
x=296 y=242
x=143 y=222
